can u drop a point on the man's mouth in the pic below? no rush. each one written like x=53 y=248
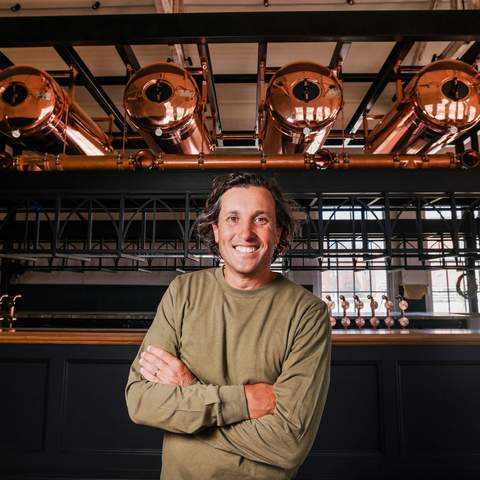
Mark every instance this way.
x=244 y=249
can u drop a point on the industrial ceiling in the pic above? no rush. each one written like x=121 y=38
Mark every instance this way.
x=234 y=65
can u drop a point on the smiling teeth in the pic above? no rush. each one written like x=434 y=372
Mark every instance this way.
x=245 y=249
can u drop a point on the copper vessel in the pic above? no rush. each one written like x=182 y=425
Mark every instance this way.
x=439 y=105
x=302 y=102
x=36 y=112
x=163 y=102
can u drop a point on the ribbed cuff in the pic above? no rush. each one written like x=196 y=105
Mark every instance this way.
x=233 y=406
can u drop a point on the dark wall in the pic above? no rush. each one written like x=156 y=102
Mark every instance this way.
x=392 y=412
x=96 y=298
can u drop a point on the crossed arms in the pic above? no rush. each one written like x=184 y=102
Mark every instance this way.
x=271 y=424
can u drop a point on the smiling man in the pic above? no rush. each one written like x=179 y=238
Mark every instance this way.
x=235 y=367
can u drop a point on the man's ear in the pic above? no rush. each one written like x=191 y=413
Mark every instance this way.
x=215 y=231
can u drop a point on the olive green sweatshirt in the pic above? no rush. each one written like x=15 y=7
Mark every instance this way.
x=277 y=334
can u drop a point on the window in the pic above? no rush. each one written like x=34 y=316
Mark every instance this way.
x=350 y=283
x=445 y=298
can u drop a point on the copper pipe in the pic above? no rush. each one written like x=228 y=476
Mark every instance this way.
x=302 y=102
x=439 y=105
x=145 y=159
x=163 y=102
x=36 y=111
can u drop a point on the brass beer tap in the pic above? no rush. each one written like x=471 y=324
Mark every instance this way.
x=11 y=316
x=402 y=305
x=374 y=321
x=344 y=304
x=330 y=305
x=359 y=321
x=389 y=320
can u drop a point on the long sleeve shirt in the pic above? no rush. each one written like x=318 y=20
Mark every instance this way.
x=277 y=334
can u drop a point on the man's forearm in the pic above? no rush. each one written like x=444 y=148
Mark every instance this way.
x=272 y=439
x=184 y=409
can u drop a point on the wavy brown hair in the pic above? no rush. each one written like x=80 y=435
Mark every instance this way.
x=209 y=217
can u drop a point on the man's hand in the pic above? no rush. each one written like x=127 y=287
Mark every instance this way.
x=261 y=399
x=159 y=366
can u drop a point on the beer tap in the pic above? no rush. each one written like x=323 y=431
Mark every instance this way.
x=331 y=305
x=344 y=304
x=389 y=320
x=359 y=321
x=12 y=318
x=374 y=321
x=402 y=305
x=2 y=317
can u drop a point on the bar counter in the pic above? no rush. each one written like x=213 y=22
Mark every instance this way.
x=351 y=337
x=401 y=404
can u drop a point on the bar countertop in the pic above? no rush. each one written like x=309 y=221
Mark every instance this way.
x=379 y=337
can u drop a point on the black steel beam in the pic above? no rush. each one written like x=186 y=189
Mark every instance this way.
x=397 y=54
x=339 y=54
x=128 y=56
x=108 y=80
x=228 y=78
x=5 y=62
x=204 y=53
x=71 y=57
x=324 y=26
x=471 y=55
x=292 y=181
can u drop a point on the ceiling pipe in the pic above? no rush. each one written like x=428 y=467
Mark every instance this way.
x=324 y=159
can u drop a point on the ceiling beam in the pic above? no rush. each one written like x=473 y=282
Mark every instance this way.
x=321 y=26
x=5 y=62
x=128 y=56
x=398 y=53
x=225 y=78
x=204 y=53
x=339 y=54
x=436 y=181
x=72 y=58
x=471 y=55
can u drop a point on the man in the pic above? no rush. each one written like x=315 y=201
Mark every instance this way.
x=235 y=367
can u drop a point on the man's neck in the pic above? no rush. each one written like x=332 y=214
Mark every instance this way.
x=244 y=282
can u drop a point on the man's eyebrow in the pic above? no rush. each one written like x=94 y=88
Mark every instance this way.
x=255 y=213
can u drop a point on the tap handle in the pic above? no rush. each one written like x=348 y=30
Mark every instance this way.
x=16 y=297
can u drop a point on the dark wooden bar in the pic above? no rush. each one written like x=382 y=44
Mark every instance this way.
x=401 y=405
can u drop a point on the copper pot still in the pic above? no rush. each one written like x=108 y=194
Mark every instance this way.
x=439 y=105
x=163 y=102
x=36 y=112
x=302 y=103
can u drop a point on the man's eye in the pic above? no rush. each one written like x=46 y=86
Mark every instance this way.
x=261 y=220
x=232 y=219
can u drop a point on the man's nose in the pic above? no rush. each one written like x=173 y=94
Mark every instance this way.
x=246 y=230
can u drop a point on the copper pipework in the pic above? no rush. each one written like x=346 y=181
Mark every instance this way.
x=439 y=105
x=36 y=111
x=163 y=102
x=302 y=102
x=146 y=160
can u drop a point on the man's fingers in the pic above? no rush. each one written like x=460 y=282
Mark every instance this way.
x=162 y=354
x=151 y=358
x=148 y=376
x=149 y=366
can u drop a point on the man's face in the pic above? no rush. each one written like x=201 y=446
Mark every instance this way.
x=247 y=231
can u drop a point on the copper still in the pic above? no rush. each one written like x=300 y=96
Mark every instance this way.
x=302 y=102
x=37 y=112
x=163 y=102
x=439 y=105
